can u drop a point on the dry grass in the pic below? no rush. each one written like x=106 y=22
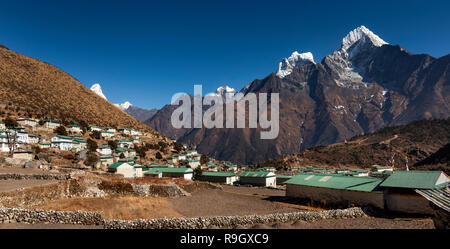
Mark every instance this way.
x=120 y=207
x=38 y=88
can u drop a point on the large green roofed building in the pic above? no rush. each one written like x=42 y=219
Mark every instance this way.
x=218 y=174
x=416 y=179
x=337 y=181
x=257 y=174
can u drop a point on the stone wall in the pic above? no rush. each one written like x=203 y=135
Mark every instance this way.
x=9 y=215
x=95 y=218
x=231 y=221
x=35 y=176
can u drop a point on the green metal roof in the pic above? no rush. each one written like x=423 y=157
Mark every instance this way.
x=218 y=174
x=257 y=174
x=335 y=181
x=414 y=179
x=175 y=170
x=115 y=165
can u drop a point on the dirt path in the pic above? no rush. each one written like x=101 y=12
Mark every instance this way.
x=388 y=141
x=214 y=202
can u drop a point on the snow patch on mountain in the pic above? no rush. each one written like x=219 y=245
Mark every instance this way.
x=124 y=106
x=361 y=35
x=296 y=59
x=96 y=88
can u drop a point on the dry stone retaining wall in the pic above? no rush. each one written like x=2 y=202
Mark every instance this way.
x=95 y=218
x=231 y=221
x=35 y=176
x=9 y=215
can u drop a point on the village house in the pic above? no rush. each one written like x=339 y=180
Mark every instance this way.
x=75 y=128
x=122 y=168
x=131 y=153
x=33 y=138
x=119 y=151
x=281 y=179
x=212 y=167
x=22 y=137
x=135 y=139
x=23 y=154
x=45 y=145
x=81 y=142
x=193 y=163
x=104 y=150
x=380 y=169
x=51 y=124
x=186 y=173
x=400 y=190
x=123 y=143
x=191 y=152
x=153 y=173
x=62 y=142
x=27 y=122
x=110 y=129
x=358 y=172
x=258 y=178
x=173 y=159
x=135 y=132
x=336 y=190
x=218 y=177
x=106 y=160
x=107 y=134
x=181 y=157
x=125 y=131
x=2 y=126
x=95 y=128
x=230 y=167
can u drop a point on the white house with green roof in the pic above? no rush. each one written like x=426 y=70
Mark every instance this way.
x=258 y=178
x=27 y=122
x=122 y=168
x=106 y=160
x=2 y=126
x=106 y=134
x=218 y=177
x=95 y=128
x=110 y=129
x=400 y=190
x=45 y=145
x=51 y=124
x=75 y=128
x=181 y=157
x=193 y=163
x=186 y=173
x=104 y=150
x=191 y=153
x=62 y=142
x=125 y=131
x=123 y=143
x=33 y=139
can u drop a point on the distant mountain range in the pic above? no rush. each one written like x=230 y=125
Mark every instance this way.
x=365 y=85
x=426 y=144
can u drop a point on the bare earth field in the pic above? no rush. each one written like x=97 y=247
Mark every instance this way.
x=11 y=185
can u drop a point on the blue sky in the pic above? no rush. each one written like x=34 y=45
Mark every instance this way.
x=145 y=51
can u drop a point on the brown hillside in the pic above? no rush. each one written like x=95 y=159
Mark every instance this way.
x=417 y=140
x=44 y=91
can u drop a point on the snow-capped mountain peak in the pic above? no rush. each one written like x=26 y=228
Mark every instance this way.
x=361 y=34
x=225 y=90
x=124 y=106
x=287 y=64
x=96 y=88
